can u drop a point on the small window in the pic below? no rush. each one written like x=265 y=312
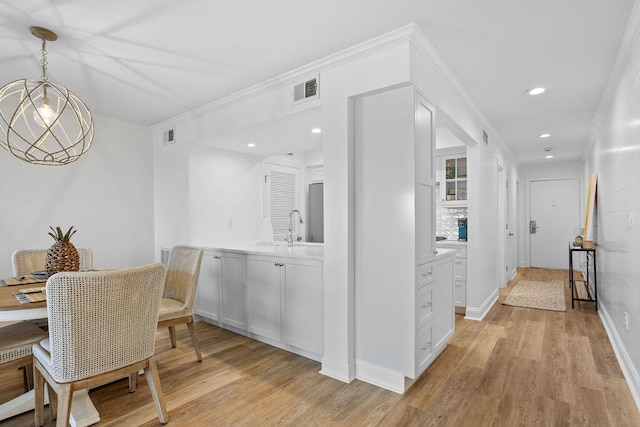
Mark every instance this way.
x=281 y=196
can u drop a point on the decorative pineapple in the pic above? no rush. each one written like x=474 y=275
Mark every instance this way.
x=62 y=255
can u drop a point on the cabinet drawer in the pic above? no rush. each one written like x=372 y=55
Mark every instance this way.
x=424 y=347
x=425 y=274
x=459 y=269
x=424 y=305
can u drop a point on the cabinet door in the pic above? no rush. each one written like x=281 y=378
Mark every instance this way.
x=208 y=293
x=425 y=180
x=263 y=296
x=444 y=321
x=234 y=283
x=302 y=301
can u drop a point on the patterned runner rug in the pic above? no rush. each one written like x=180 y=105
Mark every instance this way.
x=541 y=295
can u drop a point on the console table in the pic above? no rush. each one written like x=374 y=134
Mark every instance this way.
x=574 y=282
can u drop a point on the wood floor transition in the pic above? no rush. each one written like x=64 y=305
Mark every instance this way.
x=516 y=367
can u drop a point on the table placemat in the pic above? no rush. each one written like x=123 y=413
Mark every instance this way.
x=28 y=279
x=26 y=296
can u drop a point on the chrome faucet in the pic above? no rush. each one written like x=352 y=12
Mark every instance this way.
x=290 y=233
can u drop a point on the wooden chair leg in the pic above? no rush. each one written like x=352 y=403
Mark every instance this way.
x=38 y=381
x=53 y=402
x=172 y=336
x=27 y=377
x=194 y=340
x=133 y=382
x=153 y=379
x=64 y=405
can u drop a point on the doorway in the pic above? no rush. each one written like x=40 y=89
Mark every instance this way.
x=554 y=215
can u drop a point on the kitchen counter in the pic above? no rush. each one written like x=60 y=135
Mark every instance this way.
x=444 y=252
x=450 y=243
x=313 y=251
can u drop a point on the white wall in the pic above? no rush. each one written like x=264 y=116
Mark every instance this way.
x=615 y=156
x=224 y=186
x=107 y=195
x=543 y=171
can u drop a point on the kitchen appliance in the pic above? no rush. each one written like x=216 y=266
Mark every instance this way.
x=462 y=229
x=315 y=221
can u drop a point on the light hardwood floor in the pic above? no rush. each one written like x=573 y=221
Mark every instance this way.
x=517 y=367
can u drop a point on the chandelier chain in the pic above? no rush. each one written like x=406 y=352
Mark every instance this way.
x=43 y=61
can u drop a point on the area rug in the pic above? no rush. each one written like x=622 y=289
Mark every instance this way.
x=541 y=295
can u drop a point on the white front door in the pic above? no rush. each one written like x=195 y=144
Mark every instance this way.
x=554 y=216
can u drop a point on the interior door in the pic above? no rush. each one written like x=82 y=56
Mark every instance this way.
x=554 y=214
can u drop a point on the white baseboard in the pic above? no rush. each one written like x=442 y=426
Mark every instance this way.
x=478 y=313
x=338 y=370
x=379 y=376
x=626 y=364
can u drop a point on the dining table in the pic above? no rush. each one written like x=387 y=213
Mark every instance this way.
x=13 y=307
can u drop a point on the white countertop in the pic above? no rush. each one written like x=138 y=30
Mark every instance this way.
x=314 y=251
x=443 y=252
x=450 y=243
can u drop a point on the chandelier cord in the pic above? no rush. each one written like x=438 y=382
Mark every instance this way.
x=43 y=61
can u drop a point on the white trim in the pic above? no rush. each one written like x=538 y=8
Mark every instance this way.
x=338 y=369
x=473 y=313
x=380 y=376
x=626 y=364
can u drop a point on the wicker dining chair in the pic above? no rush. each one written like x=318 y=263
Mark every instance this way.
x=178 y=298
x=102 y=327
x=16 y=340
x=26 y=261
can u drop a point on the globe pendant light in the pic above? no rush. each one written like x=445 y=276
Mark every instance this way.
x=42 y=122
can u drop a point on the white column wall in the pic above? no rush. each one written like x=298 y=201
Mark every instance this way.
x=615 y=156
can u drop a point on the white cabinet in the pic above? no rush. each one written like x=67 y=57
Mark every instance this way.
x=397 y=306
x=460 y=274
x=285 y=301
x=453 y=183
x=221 y=293
x=208 y=296
x=233 y=289
x=303 y=312
x=263 y=291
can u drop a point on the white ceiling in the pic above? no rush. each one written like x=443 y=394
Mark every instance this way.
x=146 y=61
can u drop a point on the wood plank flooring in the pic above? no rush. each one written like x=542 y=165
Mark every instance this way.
x=517 y=367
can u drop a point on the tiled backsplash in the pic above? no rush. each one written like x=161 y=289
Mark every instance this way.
x=447 y=218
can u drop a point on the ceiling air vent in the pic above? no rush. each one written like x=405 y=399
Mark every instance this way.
x=169 y=137
x=306 y=90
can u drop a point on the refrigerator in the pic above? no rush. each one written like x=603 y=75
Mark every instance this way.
x=315 y=214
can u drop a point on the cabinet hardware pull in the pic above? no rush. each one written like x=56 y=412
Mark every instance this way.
x=427 y=305
x=216 y=257
x=428 y=347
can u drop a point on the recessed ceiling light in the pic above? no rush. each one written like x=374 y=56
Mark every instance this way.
x=251 y=145
x=544 y=135
x=549 y=156
x=536 y=91
x=316 y=130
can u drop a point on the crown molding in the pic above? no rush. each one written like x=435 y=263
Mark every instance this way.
x=369 y=47
x=628 y=46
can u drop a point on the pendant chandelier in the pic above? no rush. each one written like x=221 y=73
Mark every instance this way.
x=42 y=122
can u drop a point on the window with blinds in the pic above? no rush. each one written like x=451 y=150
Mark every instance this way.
x=282 y=196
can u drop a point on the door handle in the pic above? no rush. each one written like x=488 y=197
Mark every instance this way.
x=533 y=228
